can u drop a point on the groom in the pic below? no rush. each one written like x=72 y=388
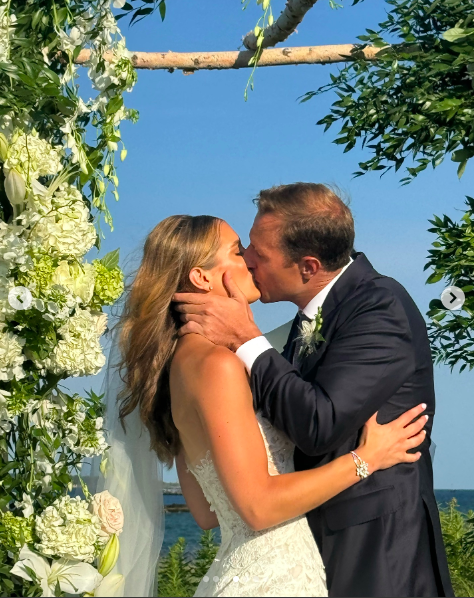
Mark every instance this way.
x=381 y=537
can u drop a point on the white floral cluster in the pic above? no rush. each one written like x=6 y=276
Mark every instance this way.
x=73 y=533
x=13 y=250
x=68 y=529
x=42 y=248
x=99 y=30
x=11 y=356
x=79 y=352
x=82 y=437
x=55 y=222
x=60 y=223
x=5 y=417
x=32 y=156
x=72 y=423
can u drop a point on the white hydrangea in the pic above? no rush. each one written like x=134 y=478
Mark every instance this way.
x=78 y=278
x=6 y=310
x=61 y=223
x=6 y=419
x=32 y=156
x=79 y=352
x=11 y=356
x=13 y=249
x=68 y=529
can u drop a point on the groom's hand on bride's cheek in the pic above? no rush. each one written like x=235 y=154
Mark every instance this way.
x=225 y=321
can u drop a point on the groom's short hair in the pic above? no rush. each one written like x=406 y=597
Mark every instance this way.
x=316 y=222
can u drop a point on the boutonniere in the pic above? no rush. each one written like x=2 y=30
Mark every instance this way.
x=310 y=334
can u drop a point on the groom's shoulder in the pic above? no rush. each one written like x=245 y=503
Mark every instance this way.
x=385 y=292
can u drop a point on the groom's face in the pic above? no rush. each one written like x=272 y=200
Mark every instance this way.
x=275 y=276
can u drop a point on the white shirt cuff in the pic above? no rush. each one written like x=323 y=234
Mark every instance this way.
x=249 y=351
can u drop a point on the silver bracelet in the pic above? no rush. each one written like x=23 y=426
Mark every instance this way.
x=362 y=468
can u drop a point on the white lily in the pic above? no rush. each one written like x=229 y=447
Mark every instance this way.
x=112 y=585
x=73 y=577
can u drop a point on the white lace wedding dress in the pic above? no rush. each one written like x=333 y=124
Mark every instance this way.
x=280 y=561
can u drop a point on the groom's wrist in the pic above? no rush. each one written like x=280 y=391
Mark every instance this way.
x=244 y=336
x=250 y=351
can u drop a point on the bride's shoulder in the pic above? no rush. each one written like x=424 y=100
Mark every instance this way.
x=205 y=365
x=200 y=354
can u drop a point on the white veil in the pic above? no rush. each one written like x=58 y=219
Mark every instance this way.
x=134 y=475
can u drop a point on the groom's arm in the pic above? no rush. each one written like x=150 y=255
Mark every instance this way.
x=368 y=359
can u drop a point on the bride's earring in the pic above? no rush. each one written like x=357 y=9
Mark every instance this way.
x=210 y=287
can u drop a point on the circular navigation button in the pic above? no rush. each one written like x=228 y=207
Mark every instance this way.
x=453 y=298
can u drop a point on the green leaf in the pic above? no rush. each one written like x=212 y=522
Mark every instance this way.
x=162 y=9
x=435 y=277
x=462 y=168
x=456 y=33
x=111 y=259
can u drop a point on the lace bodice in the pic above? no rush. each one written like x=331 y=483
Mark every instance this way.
x=280 y=561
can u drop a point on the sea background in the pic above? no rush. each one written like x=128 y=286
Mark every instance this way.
x=183 y=525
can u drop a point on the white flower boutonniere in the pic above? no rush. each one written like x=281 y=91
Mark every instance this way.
x=310 y=334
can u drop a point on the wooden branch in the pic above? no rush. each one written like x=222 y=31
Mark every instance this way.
x=283 y=27
x=189 y=62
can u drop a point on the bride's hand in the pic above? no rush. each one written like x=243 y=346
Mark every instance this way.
x=383 y=446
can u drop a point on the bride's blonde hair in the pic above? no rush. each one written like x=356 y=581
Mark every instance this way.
x=149 y=324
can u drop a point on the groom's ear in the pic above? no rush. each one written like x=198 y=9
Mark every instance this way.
x=309 y=267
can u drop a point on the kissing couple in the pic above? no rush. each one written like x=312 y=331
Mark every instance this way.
x=315 y=462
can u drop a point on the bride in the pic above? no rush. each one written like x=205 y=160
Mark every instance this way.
x=236 y=470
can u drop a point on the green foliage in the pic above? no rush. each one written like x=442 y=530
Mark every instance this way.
x=416 y=100
x=178 y=573
x=458 y=535
x=452 y=259
x=139 y=9
x=34 y=86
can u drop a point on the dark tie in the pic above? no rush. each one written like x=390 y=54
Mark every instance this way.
x=298 y=341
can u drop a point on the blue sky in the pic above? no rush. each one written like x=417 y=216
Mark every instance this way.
x=199 y=148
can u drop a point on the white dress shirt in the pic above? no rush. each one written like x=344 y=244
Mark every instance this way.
x=249 y=351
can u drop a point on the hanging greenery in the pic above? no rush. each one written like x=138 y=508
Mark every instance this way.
x=415 y=102
x=452 y=258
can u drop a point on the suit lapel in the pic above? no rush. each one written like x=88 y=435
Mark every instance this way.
x=360 y=270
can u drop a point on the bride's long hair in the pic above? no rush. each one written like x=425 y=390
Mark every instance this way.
x=149 y=324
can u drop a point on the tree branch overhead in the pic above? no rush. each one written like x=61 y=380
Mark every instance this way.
x=283 y=27
x=193 y=61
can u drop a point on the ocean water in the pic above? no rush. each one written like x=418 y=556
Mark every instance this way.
x=183 y=524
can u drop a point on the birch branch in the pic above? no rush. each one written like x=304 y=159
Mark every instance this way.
x=283 y=27
x=189 y=62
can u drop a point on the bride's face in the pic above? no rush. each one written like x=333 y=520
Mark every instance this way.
x=230 y=258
